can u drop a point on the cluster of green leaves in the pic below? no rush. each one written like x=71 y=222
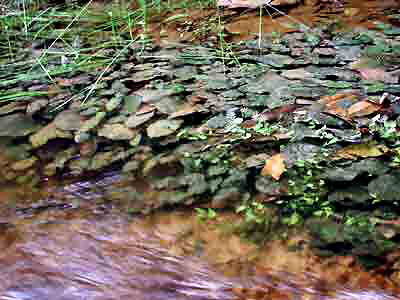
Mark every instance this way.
x=386 y=130
x=198 y=162
x=259 y=221
x=204 y=214
x=306 y=191
x=254 y=212
x=192 y=135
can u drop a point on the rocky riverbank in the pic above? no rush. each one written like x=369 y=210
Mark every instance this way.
x=294 y=129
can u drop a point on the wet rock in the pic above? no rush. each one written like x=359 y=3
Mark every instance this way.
x=17 y=125
x=351 y=196
x=300 y=152
x=119 y=89
x=226 y=197
x=132 y=103
x=268 y=186
x=215 y=84
x=68 y=120
x=266 y=83
x=104 y=159
x=119 y=118
x=60 y=161
x=24 y=164
x=47 y=133
x=149 y=75
x=14 y=152
x=300 y=73
x=326 y=231
x=29 y=177
x=131 y=166
x=116 y=132
x=276 y=60
x=81 y=137
x=79 y=166
x=385 y=187
x=334 y=74
x=185 y=73
x=325 y=51
x=36 y=106
x=163 y=128
x=113 y=103
x=92 y=122
x=12 y=107
x=168 y=105
x=348 y=53
x=88 y=148
x=219 y=121
x=369 y=166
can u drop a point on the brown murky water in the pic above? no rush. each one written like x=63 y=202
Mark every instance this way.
x=87 y=251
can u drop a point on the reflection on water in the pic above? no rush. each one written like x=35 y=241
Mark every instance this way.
x=75 y=253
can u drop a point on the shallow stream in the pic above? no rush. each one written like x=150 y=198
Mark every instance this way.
x=91 y=251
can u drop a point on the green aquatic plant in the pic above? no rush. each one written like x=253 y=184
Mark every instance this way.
x=306 y=193
x=205 y=214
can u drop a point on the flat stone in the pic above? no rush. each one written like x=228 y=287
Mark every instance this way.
x=116 y=132
x=163 y=128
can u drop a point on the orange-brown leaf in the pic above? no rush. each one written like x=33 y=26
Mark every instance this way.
x=274 y=166
x=363 y=108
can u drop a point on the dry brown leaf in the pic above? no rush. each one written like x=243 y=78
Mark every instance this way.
x=363 y=108
x=274 y=166
x=360 y=150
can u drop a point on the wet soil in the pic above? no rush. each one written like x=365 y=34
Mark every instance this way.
x=245 y=24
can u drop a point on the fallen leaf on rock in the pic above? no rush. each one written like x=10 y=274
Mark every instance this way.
x=338 y=104
x=274 y=166
x=360 y=150
x=363 y=108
